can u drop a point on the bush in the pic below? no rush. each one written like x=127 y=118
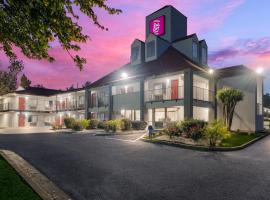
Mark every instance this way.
x=68 y=121
x=113 y=125
x=138 y=125
x=125 y=124
x=215 y=131
x=93 y=124
x=193 y=128
x=101 y=124
x=84 y=123
x=172 y=129
x=77 y=126
x=56 y=126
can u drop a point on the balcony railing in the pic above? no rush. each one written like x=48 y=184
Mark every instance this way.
x=170 y=93
x=203 y=94
x=5 y=107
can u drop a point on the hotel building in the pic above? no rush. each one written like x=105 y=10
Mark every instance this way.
x=167 y=79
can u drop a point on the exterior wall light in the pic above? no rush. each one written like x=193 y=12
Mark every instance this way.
x=259 y=70
x=124 y=75
x=211 y=71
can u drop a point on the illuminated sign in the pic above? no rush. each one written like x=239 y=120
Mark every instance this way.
x=157 y=26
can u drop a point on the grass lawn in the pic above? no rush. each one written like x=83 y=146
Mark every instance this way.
x=237 y=139
x=12 y=186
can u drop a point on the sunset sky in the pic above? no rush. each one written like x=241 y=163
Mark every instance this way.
x=236 y=31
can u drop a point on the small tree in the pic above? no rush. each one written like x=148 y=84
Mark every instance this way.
x=229 y=97
x=25 y=82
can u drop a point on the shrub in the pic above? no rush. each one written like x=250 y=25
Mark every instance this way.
x=125 y=124
x=215 y=131
x=84 y=123
x=172 y=129
x=56 y=126
x=68 y=121
x=138 y=125
x=77 y=126
x=113 y=125
x=93 y=124
x=101 y=124
x=193 y=128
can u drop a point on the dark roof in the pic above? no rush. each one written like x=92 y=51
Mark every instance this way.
x=167 y=6
x=232 y=71
x=170 y=61
x=184 y=38
x=38 y=91
x=72 y=90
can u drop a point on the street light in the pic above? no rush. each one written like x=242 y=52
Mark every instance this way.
x=211 y=71
x=259 y=70
x=124 y=75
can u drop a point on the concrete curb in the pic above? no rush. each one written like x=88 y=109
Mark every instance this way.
x=204 y=148
x=45 y=188
x=119 y=133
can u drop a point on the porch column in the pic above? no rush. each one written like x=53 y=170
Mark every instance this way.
x=110 y=102
x=153 y=117
x=87 y=103
x=213 y=99
x=188 y=93
x=142 y=100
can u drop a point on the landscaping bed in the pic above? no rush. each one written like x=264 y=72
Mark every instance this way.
x=200 y=135
x=12 y=186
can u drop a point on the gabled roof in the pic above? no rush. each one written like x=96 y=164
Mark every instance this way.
x=38 y=91
x=170 y=61
x=232 y=71
x=185 y=38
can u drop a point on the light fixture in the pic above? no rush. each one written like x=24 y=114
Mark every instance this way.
x=124 y=75
x=259 y=70
x=168 y=80
x=211 y=71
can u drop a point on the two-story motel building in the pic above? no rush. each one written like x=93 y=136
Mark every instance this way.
x=167 y=79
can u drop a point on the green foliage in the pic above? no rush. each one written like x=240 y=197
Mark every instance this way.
x=69 y=121
x=84 y=123
x=237 y=139
x=8 y=79
x=93 y=124
x=193 y=128
x=57 y=126
x=25 y=82
x=101 y=124
x=173 y=129
x=13 y=187
x=125 y=124
x=77 y=126
x=138 y=125
x=113 y=125
x=229 y=97
x=215 y=132
x=32 y=25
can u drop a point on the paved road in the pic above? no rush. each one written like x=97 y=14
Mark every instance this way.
x=98 y=167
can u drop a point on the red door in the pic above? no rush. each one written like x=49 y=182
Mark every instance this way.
x=21 y=120
x=174 y=89
x=21 y=103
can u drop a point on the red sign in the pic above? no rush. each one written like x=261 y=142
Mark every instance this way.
x=157 y=26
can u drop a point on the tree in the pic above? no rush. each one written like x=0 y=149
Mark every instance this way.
x=229 y=98
x=8 y=79
x=266 y=100
x=33 y=25
x=25 y=82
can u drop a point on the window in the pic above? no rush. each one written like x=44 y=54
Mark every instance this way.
x=151 y=46
x=134 y=54
x=204 y=56
x=194 y=50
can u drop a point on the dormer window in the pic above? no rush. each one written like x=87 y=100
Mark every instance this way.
x=134 y=54
x=204 y=56
x=151 y=46
x=195 y=50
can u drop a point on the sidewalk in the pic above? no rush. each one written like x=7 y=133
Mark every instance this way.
x=28 y=130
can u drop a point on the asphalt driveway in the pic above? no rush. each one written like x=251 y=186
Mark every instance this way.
x=102 y=167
